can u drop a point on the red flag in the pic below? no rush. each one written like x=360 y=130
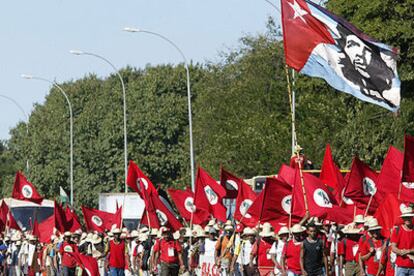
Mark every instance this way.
x=73 y=219
x=245 y=199
x=209 y=194
x=87 y=263
x=330 y=173
x=388 y=214
x=136 y=178
x=273 y=203
x=407 y=185
x=229 y=182
x=389 y=179
x=24 y=190
x=7 y=217
x=321 y=202
x=362 y=183
x=45 y=229
x=158 y=215
x=184 y=201
x=287 y=174
x=61 y=222
x=97 y=220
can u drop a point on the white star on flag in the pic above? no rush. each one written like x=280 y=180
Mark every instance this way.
x=299 y=12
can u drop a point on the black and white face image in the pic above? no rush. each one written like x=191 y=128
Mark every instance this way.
x=359 y=54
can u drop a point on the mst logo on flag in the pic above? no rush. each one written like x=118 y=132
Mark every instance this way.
x=328 y=47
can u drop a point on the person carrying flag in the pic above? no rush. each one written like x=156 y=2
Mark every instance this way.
x=291 y=252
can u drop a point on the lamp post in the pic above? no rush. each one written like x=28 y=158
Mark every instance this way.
x=82 y=53
x=25 y=116
x=30 y=77
x=190 y=120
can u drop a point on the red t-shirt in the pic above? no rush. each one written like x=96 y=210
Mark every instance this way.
x=68 y=260
x=117 y=254
x=386 y=261
x=404 y=240
x=263 y=258
x=348 y=249
x=291 y=251
x=372 y=263
x=169 y=250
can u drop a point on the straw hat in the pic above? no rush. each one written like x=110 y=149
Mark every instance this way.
x=116 y=231
x=407 y=212
x=248 y=232
x=134 y=234
x=32 y=238
x=83 y=236
x=373 y=225
x=297 y=228
x=228 y=228
x=267 y=230
x=367 y=220
x=96 y=239
x=283 y=231
x=187 y=232
x=18 y=243
x=154 y=232
x=142 y=237
x=67 y=234
x=212 y=222
x=359 y=219
x=176 y=235
x=351 y=230
x=143 y=230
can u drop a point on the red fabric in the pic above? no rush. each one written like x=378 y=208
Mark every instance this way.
x=348 y=250
x=244 y=201
x=273 y=203
x=157 y=214
x=295 y=160
x=312 y=32
x=331 y=175
x=407 y=187
x=116 y=254
x=184 y=201
x=73 y=219
x=24 y=190
x=46 y=228
x=138 y=181
x=165 y=247
x=361 y=179
x=65 y=221
x=403 y=240
x=229 y=182
x=7 y=217
x=372 y=263
x=388 y=214
x=286 y=174
x=263 y=258
x=65 y=251
x=389 y=178
x=97 y=220
x=291 y=251
x=209 y=195
x=86 y=262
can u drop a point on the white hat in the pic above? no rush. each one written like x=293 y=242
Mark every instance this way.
x=154 y=232
x=359 y=219
x=373 y=225
x=283 y=231
x=89 y=237
x=187 y=232
x=83 y=236
x=135 y=234
x=367 y=220
x=19 y=243
x=116 y=231
x=142 y=237
x=267 y=230
x=96 y=239
x=407 y=212
x=176 y=235
x=67 y=234
x=144 y=229
x=228 y=228
x=248 y=231
x=351 y=230
x=212 y=222
x=297 y=228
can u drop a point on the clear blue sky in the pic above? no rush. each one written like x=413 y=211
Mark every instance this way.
x=37 y=35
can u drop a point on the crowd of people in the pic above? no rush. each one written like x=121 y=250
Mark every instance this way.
x=309 y=248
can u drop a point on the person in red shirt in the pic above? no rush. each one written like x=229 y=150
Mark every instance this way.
x=372 y=250
x=68 y=262
x=348 y=251
x=168 y=251
x=291 y=252
x=118 y=254
x=402 y=243
x=261 y=250
x=299 y=159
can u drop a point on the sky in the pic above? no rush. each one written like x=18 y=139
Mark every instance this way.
x=37 y=36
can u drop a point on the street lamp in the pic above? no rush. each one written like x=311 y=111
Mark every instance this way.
x=25 y=116
x=80 y=53
x=190 y=120
x=30 y=77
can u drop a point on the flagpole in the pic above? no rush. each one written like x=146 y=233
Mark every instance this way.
x=369 y=203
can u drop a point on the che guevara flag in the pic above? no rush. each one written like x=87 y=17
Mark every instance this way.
x=184 y=201
x=320 y=44
x=209 y=195
x=24 y=190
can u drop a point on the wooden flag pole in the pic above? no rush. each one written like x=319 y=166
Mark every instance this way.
x=369 y=203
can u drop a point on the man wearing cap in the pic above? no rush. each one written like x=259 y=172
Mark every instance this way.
x=348 y=251
x=373 y=250
x=291 y=252
x=313 y=260
x=118 y=254
x=402 y=242
x=277 y=248
x=242 y=252
x=68 y=262
x=261 y=250
x=169 y=252
x=224 y=249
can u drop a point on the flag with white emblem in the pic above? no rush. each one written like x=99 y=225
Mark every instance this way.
x=320 y=44
x=24 y=190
